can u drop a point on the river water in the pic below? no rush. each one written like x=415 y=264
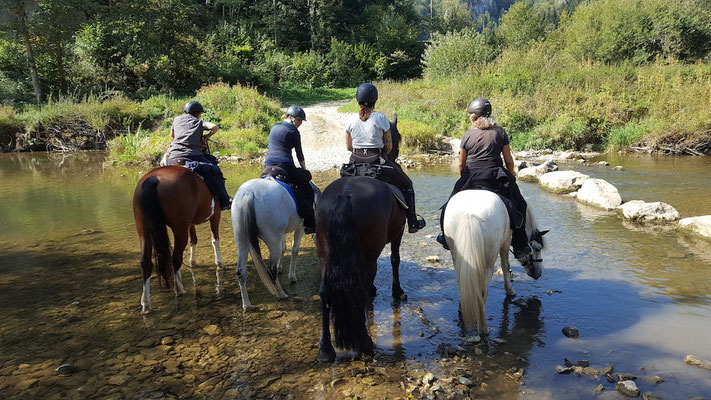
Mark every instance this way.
x=70 y=288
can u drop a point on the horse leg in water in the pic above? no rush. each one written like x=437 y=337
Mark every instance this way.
x=193 y=260
x=506 y=267
x=181 y=241
x=147 y=268
x=276 y=251
x=295 y=246
x=398 y=293
x=242 y=256
x=215 y=229
x=326 y=352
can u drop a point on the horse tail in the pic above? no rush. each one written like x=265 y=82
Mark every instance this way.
x=469 y=256
x=343 y=288
x=155 y=228
x=248 y=225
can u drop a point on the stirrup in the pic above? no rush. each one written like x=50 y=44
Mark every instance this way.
x=440 y=239
x=419 y=224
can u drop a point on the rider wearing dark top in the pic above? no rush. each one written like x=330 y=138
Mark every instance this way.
x=188 y=141
x=481 y=166
x=284 y=137
x=369 y=140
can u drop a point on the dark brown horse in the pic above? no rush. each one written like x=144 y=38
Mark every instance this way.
x=355 y=218
x=172 y=197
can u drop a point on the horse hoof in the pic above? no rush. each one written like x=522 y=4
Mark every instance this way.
x=326 y=357
x=248 y=308
x=403 y=297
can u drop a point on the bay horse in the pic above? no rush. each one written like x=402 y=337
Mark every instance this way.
x=263 y=208
x=355 y=218
x=477 y=229
x=175 y=197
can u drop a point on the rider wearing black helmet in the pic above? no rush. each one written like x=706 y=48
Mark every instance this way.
x=188 y=142
x=369 y=140
x=481 y=167
x=284 y=137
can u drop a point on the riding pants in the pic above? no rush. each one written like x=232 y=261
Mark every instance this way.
x=212 y=175
x=298 y=177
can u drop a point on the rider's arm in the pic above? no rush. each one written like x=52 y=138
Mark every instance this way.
x=462 y=160
x=210 y=127
x=349 y=141
x=508 y=159
x=299 y=151
x=388 y=141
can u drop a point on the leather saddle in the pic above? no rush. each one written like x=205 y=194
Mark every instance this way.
x=379 y=172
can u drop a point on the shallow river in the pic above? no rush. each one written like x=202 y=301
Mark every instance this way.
x=70 y=288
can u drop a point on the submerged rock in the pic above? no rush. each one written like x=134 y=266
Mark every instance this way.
x=638 y=210
x=652 y=379
x=599 y=389
x=623 y=376
x=562 y=181
x=559 y=369
x=697 y=362
x=66 y=369
x=532 y=174
x=628 y=388
x=571 y=332
x=599 y=193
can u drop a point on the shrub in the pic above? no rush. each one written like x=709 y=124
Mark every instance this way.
x=417 y=135
x=454 y=52
x=9 y=127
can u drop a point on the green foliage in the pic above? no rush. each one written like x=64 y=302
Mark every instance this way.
x=456 y=51
x=638 y=30
x=9 y=127
x=451 y=16
x=521 y=24
x=417 y=135
x=292 y=94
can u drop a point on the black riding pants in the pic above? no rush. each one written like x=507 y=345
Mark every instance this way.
x=212 y=175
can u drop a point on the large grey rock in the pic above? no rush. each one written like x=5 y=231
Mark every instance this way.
x=532 y=174
x=638 y=210
x=599 y=193
x=699 y=225
x=562 y=181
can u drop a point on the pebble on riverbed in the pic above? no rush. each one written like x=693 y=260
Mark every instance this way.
x=628 y=388
x=571 y=332
x=697 y=362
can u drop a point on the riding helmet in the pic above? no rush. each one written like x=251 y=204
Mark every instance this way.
x=367 y=94
x=480 y=107
x=193 y=108
x=296 y=112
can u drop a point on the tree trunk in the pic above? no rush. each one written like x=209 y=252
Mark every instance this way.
x=22 y=30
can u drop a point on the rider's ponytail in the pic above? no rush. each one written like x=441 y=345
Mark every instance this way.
x=365 y=111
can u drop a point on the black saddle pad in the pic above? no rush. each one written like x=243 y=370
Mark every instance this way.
x=377 y=171
x=277 y=172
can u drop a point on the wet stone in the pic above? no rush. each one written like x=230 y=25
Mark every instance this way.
x=651 y=396
x=124 y=347
x=599 y=389
x=571 y=332
x=583 y=363
x=212 y=330
x=26 y=384
x=652 y=379
x=146 y=343
x=118 y=380
x=168 y=340
x=591 y=371
x=622 y=376
x=66 y=369
x=607 y=370
x=628 y=388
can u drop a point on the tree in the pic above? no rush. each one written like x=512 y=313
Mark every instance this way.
x=19 y=9
x=520 y=24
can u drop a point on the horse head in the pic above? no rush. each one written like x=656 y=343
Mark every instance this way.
x=533 y=262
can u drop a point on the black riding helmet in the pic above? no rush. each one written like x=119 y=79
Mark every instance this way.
x=296 y=112
x=367 y=94
x=193 y=108
x=480 y=107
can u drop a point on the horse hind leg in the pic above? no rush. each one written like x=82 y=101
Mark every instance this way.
x=215 y=229
x=295 y=246
x=276 y=250
x=147 y=270
x=326 y=353
x=193 y=245
x=181 y=241
x=398 y=293
x=241 y=270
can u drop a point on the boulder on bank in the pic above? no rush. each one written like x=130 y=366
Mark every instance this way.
x=638 y=210
x=562 y=181
x=599 y=193
x=699 y=225
x=532 y=174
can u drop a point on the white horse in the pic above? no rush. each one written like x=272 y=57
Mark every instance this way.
x=264 y=209
x=477 y=229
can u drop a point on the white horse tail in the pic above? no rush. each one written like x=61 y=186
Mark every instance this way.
x=249 y=228
x=469 y=257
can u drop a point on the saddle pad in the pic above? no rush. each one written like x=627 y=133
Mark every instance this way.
x=398 y=195
x=288 y=189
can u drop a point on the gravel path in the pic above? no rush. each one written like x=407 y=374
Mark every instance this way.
x=323 y=136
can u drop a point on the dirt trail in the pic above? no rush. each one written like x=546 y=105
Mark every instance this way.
x=322 y=136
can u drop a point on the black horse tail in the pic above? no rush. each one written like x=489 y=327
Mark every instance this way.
x=154 y=228
x=343 y=289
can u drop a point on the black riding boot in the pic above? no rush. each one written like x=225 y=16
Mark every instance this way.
x=309 y=221
x=440 y=238
x=519 y=242
x=414 y=223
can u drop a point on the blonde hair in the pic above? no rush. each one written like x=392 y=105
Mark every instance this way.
x=482 y=122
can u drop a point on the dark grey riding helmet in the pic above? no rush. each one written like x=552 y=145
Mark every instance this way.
x=296 y=112
x=367 y=94
x=193 y=108
x=480 y=107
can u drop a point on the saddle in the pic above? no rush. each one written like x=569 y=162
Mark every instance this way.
x=379 y=172
x=515 y=218
x=280 y=175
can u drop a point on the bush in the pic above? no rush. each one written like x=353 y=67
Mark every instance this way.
x=9 y=127
x=417 y=135
x=452 y=53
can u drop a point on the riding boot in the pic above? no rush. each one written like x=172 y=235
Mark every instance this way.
x=440 y=238
x=519 y=242
x=309 y=221
x=414 y=223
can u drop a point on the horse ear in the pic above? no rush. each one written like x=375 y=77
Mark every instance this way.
x=395 y=119
x=544 y=232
